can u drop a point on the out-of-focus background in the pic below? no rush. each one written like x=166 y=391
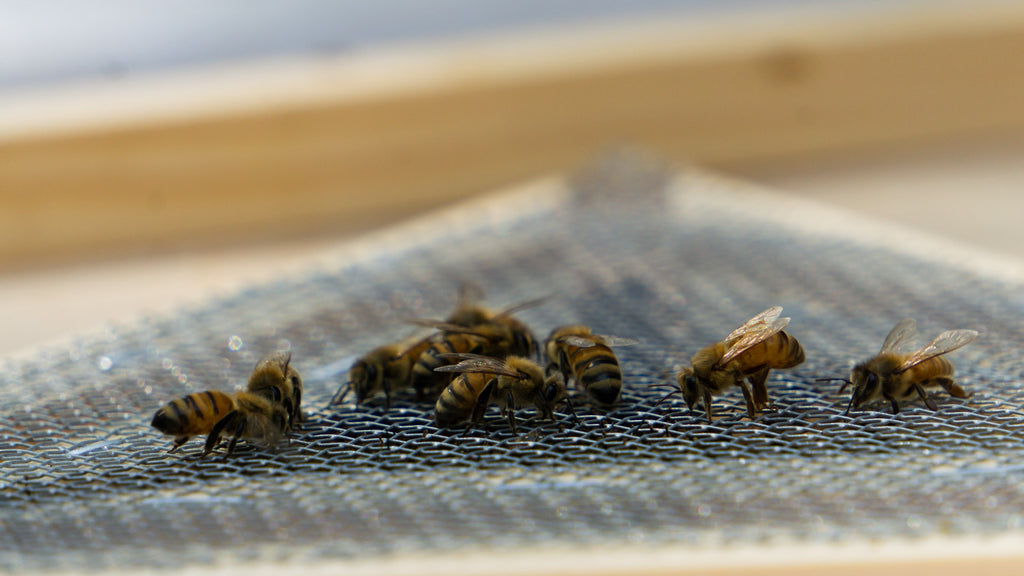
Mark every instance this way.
x=154 y=154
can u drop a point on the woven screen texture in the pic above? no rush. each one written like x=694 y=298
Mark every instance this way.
x=675 y=261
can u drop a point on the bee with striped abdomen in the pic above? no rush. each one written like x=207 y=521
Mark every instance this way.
x=499 y=336
x=745 y=355
x=512 y=383
x=382 y=370
x=894 y=374
x=242 y=415
x=192 y=415
x=580 y=355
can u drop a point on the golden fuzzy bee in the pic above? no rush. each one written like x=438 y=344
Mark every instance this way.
x=894 y=375
x=512 y=383
x=243 y=415
x=745 y=355
x=500 y=335
x=270 y=406
x=580 y=355
x=276 y=380
x=382 y=370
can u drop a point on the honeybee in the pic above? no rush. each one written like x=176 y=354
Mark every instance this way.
x=579 y=354
x=240 y=415
x=512 y=383
x=382 y=369
x=745 y=355
x=895 y=375
x=491 y=339
x=498 y=335
x=276 y=380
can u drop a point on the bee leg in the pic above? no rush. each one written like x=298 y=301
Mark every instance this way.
x=895 y=403
x=748 y=397
x=758 y=382
x=954 y=389
x=297 y=399
x=289 y=409
x=510 y=406
x=706 y=393
x=572 y=411
x=483 y=401
x=178 y=443
x=563 y=365
x=236 y=434
x=387 y=395
x=214 y=437
x=924 y=396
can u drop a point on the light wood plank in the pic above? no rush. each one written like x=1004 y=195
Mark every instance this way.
x=348 y=143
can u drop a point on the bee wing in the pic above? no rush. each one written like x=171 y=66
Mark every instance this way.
x=410 y=346
x=578 y=341
x=479 y=364
x=764 y=318
x=943 y=344
x=617 y=341
x=754 y=336
x=595 y=339
x=900 y=337
x=522 y=306
x=442 y=326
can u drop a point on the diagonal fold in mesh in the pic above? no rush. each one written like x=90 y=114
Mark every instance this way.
x=673 y=260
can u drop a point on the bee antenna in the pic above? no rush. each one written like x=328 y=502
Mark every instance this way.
x=666 y=397
x=287 y=361
x=339 y=397
x=849 y=407
x=846 y=382
x=572 y=411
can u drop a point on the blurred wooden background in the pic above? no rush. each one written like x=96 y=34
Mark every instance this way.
x=160 y=188
x=148 y=192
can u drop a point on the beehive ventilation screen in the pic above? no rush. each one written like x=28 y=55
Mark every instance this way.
x=86 y=483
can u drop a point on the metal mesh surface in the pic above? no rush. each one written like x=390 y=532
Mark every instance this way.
x=676 y=263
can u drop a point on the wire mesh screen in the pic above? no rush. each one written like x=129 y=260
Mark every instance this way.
x=675 y=263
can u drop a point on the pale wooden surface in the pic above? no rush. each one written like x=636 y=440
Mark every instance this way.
x=345 y=144
x=967 y=193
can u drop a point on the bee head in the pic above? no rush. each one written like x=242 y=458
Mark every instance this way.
x=551 y=393
x=363 y=379
x=689 y=386
x=866 y=385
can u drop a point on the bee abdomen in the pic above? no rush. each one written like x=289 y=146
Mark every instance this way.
x=455 y=404
x=601 y=377
x=196 y=413
x=788 y=352
x=932 y=368
x=424 y=379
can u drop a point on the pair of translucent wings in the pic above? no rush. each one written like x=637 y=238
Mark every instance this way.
x=475 y=363
x=902 y=336
x=753 y=332
x=595 y=339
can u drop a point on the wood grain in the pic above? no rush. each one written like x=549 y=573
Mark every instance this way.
x=347 y=143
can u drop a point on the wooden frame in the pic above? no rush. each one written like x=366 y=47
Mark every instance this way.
x=346 y=143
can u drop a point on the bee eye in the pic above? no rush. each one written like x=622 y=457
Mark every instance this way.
x=371 y=372
x=690 y=382
x=872 y=379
